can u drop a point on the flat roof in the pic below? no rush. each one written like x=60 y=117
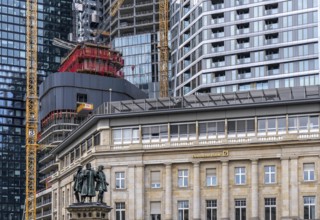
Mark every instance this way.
x=194 y=103
x=210 y=100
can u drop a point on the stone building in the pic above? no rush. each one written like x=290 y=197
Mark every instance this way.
x=244 y=155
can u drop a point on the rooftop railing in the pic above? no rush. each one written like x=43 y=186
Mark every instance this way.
x=209 y=100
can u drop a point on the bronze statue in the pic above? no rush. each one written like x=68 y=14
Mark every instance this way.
x=88 y=189
x=77 y=187
x=102 y=184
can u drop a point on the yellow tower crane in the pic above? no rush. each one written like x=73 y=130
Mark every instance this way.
x=164 y=49
x=31 y=110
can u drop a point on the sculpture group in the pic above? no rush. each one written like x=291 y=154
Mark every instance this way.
x=88 y=181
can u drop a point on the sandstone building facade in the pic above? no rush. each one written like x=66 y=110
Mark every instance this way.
x=248 y=155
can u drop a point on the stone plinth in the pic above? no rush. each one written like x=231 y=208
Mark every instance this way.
x=89 y=211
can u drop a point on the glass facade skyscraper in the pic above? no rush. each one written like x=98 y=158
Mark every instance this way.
x=134 y=32
x=54 y=21
x=226 y=46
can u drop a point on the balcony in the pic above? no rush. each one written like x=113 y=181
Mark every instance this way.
x=219 y=79
x=242 y=16
x=243 y=31
x=217 y=6
x=243 y=45
x=271 y=26
x=272 y=56
x=217 y=35
x=217 y=49
x=186 y=50
x=273 y=72
x=242 y=2
x=217 y=21
x=218 y=64
x=272 y=41
x=244 y=60
x=185 y=37
x=244 y=75
x=271 y=11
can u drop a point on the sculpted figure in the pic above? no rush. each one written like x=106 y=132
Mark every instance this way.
x=77 y=187
x=88 y=189
x=102 y=184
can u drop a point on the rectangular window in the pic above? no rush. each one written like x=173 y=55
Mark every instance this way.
x=125 y=136
x=158 y=133
x=183 y=178
x=240 y=175
x=211 y=177
x=89 y=143
x=120 y=180
x=120 y=211
x=309 y=208
x=241 y=127
x=211 y=209
x=96 y=139
x=240 y=209
x=270 y=209
x=155 y=210
x=210 y=130
x=155 y=179
x=183 y=132
x=183 y=210
x=82 y=97
x=269 y=174
x=308 y=172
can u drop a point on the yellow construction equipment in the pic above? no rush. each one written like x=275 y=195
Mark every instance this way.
x=115 y=7
x=164 y=49
x=31 y=110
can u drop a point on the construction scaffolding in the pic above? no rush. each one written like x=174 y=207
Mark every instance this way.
x=94 y=59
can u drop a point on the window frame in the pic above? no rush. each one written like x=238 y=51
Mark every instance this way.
x=154 y=185
x=269 y=173
x=121 y=210
x=240 y=174
x=240 y=204
x=184 y=178
x=212 y=209
x=183 y=208
x=120 y=180
x=309 y=172
x=269 y=205
x=309 y=205
x=213 y=178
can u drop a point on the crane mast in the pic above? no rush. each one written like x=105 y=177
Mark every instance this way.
x=164 y=49
x=31 y=109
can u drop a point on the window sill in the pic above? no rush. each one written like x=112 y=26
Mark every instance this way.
x=183 y=187
x=210 y=187
x=156 y=189
x=240 y=185
x=308 y=181
x=270 y=184
x=116 y=189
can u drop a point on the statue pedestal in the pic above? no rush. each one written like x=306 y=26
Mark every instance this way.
x=89 y=211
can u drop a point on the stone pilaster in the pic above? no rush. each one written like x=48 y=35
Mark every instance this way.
x=139 y=190
x=131 y=192
x=254 y=190
x=294 y=195
x=196 y=191
x=285 y=188
x=168 y=193
x=225 y=191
